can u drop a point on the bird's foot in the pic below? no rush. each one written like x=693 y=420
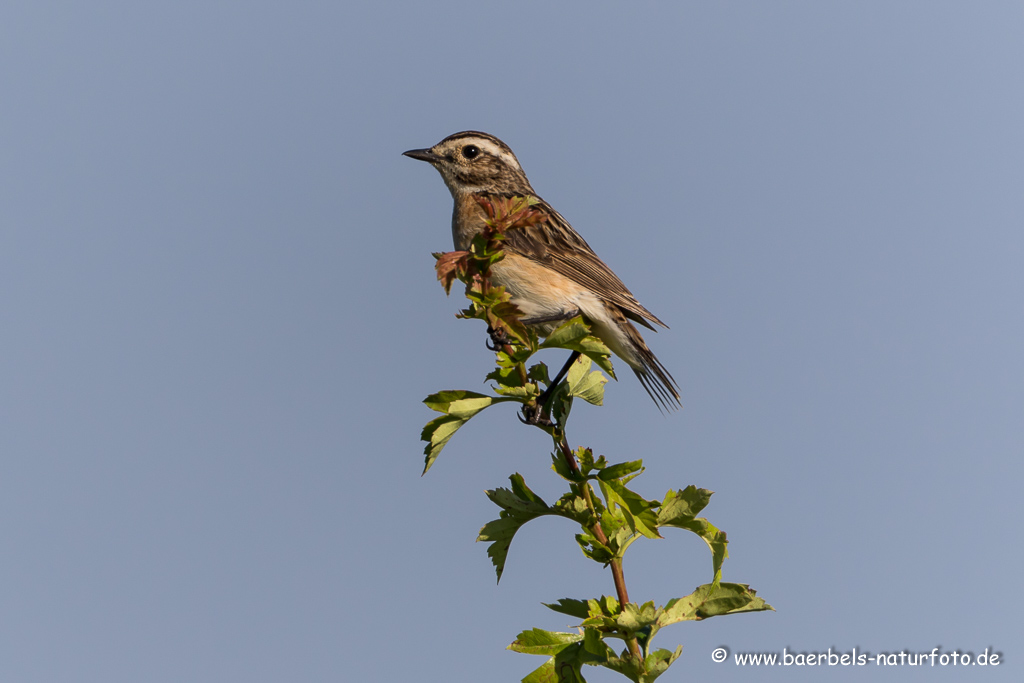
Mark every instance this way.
x=498 y=339
x=535 y=415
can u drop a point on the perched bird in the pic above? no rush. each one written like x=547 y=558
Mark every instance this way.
x=551 y=273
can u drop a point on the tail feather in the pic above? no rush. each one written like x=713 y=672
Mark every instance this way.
x=655 y=377
x=626 y=342
x=660 y=386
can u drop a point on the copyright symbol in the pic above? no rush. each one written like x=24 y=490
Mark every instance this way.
x=719 y=654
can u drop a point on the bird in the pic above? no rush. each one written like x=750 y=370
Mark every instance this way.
x=549 y=270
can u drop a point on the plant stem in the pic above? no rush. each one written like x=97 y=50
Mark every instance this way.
x=616 y=564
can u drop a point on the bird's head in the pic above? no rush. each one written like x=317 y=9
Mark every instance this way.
x=472 y=162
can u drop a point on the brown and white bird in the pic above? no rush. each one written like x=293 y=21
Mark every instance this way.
x=551 y=273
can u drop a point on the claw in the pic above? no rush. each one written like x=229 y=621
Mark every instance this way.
x=498 y=339
x=535 y=415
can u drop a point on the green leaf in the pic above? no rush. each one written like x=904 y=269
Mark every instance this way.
x=540 y=642
x=658 y=662
x=523 y=492
x=436 y=433
x=574 y=506
x=506 y=374
x=574 y=608
x=562 y=668
x=538 y=372
x=459 y=407
x=499 y=534
x=616 y=528
x=545 y=673
x=568 y=333
x=594 y=549
x=587 y=462
x=635 y=617
x=627 y=666
x=620 y=470
x=576 y=336
x=714 y=537
x=678 y=510
x=561 y=467
x=518 y=506
x=597 y=651
x=505 y=315
x=568 y=652
x=640 y=512
x=522 y=393
x=710 y=600
x=685 y=503
x=561 y=404
x=460 y=403
x=587 y=385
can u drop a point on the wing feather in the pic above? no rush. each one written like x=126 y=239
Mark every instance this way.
x=554 y=244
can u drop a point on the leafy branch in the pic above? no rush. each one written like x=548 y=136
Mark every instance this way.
x=609 y=523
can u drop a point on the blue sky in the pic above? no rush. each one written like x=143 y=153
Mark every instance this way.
x=220 y=318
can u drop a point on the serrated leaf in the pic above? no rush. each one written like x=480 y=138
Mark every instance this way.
x=594 y=549
x=562 y=668
x=658 y=662
x=521 y=394
x=505 y=316
x=437 y=433
x=710 y=600
x=617 y=527
x=634 y=617
x=450 y=266
x=538 y=372
x=545 y=673
x=561 y=467
x=685 y=503
x=627 y=666
x=678 y=510
x=459 y=407
x=640 y=512
x=508 y=500
x=518 y=506
x=460 y=403
x=621 y=538
x=714 y=537
x=586 y=384
x=576 y=336
x=585 y=456
x=620 y=470
x=561 y=404
x=568 y=651
x=540 y=642
x=506 y=374
x=574 y=608
x=522 y=491
x=597 y=651
x=570 y=332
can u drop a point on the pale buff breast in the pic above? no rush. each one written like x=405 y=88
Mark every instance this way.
x=540 y=292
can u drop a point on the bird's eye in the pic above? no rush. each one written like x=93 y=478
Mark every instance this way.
x=470 y=151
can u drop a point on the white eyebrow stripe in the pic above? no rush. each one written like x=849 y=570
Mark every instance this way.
x=495 y=150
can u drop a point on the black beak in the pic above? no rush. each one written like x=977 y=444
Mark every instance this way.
x=422 y=155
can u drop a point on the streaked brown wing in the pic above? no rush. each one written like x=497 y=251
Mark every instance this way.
x=556 y=245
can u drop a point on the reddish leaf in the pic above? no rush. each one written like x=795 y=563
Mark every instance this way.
x=449 y=266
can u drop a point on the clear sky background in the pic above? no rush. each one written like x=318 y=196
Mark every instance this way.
x=219 y=317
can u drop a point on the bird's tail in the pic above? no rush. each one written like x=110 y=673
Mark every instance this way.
x=626 y=342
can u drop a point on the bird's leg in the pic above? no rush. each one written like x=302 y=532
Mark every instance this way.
x=540 y=414
x=541 y=411
x=498 y=339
